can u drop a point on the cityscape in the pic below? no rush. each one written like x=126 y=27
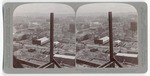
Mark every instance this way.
x=80 y=40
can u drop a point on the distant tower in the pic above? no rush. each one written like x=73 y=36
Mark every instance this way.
x=133 y=25
x=72 y=28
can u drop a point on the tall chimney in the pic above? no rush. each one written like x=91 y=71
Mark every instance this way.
x=110 y=36
x=51 y=36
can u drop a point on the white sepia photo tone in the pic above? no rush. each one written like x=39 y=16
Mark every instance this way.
x=75 y=37
x=79 y=40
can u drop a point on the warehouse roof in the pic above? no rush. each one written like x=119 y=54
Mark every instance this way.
x=56 y=42
x=127 y=55
x=104 y=38
x=117 y=41
x=43 y=39
x=64 y=56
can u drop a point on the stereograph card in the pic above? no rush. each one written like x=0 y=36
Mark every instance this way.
x=83 y=37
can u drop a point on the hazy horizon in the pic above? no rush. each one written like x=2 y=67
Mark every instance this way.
x=63 y=9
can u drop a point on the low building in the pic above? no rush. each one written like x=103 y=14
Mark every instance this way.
x=65 y=59
x=56 y=43
x=21 y=36
x=103 y=40
x=83 y=37
x=17 y=46
x=117 y=43
x=31 y=50
x=93 y=50
x=40 y=41
x=79 y=47
x=125 y=57
x=132 y=51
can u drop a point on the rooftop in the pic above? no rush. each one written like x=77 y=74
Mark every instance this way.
x=64 y=56
x=104 y=38
x=127 y=55
x=118 y=41
x=43 y=39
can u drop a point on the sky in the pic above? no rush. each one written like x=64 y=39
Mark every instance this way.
x=46 y=8
x=106 y=7
x=43 y=8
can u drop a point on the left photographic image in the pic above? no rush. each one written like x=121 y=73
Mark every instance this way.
x=44 y=36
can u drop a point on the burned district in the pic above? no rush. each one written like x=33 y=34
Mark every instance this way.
x=89 y=41
x=101 y=40
x=37 y=41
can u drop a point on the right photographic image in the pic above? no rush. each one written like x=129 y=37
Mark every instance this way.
x=106 y=36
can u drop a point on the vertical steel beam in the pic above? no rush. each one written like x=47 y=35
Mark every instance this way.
x=111 y=63
x=110 y=36
x=51 y=36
